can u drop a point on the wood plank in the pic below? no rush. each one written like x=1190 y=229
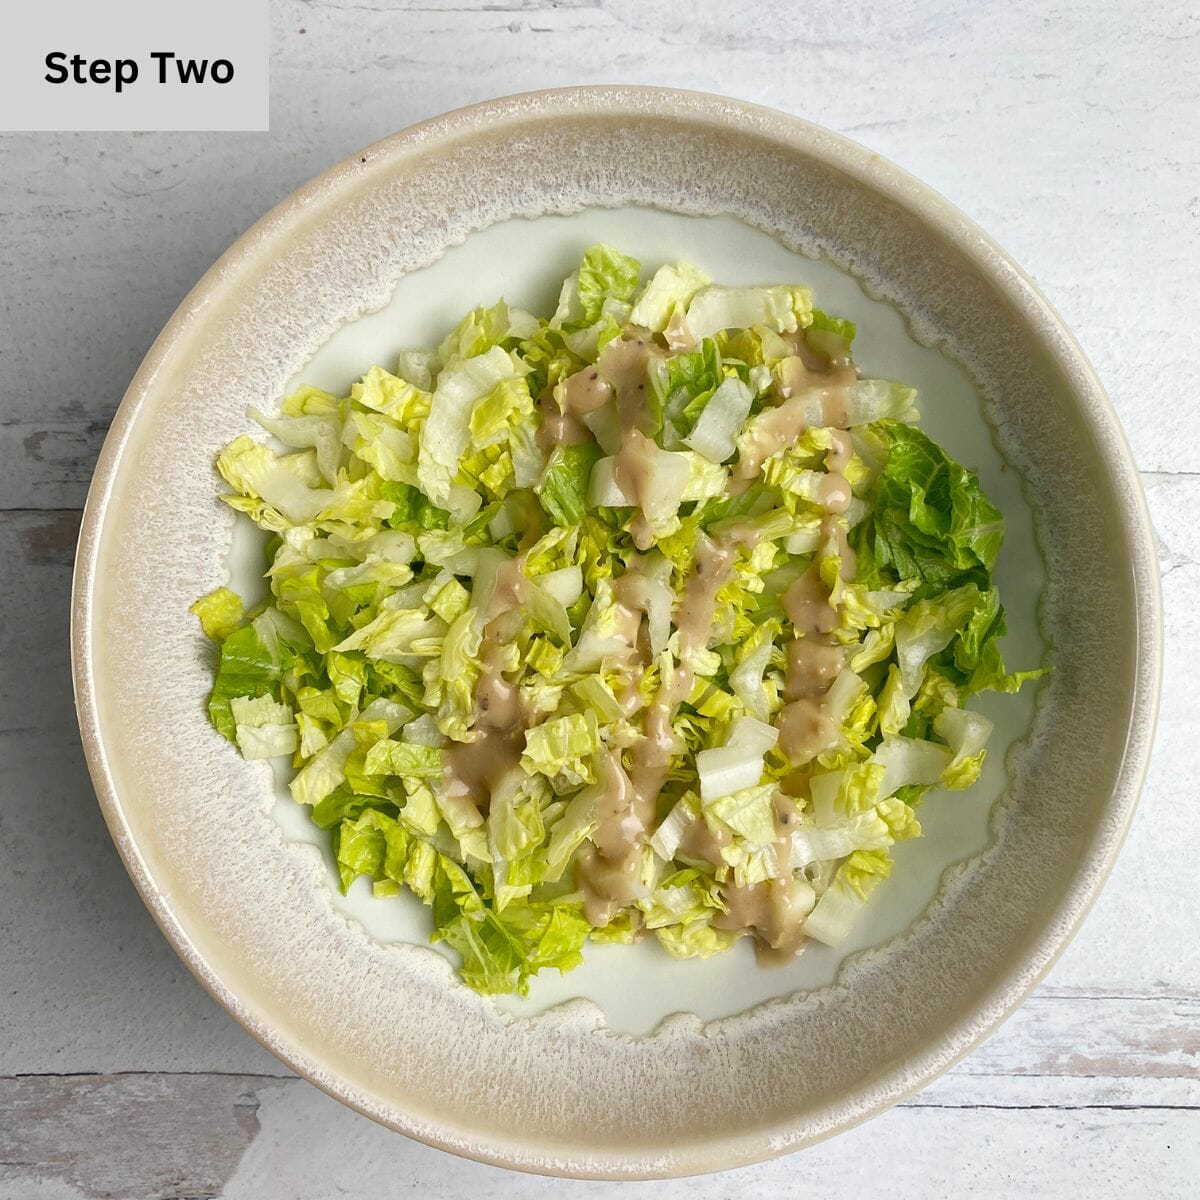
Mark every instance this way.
x=74 y=935
x=127 y=1135
x=241 y=1137
x=104 y=235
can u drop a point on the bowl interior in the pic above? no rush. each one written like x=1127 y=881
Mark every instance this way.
x=437 y=219
x=525 y=260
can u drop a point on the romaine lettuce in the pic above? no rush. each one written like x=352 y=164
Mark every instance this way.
x=555 y=690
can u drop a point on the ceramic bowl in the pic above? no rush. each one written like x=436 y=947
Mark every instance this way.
x=633 y=1066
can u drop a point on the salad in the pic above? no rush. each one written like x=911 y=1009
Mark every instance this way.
x=652 y=619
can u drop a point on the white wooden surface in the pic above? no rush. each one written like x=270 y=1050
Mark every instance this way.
x=1068 y=131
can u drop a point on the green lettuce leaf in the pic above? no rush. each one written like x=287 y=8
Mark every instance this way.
x=563 y=487
x=930 y=521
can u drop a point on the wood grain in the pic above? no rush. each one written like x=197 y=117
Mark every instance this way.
x=1080 y=122
x=1070 y=140
x=245 y=1137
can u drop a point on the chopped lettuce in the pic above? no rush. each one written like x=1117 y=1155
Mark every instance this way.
x=554 y=688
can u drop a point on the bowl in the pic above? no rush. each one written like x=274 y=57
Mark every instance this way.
x=634 y=1066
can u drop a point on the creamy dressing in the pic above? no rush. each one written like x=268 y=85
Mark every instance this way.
x=625 y=364
x=609 y=873
x=626 y=810
x=477 y=769
x=803 y=379
x=650 y=759
x=558 y=428
x=769 y=910
x=563 y=407
x=609 y=866
x=812 y=666
x=834 y=494
x=806 y=727
x=705 y=842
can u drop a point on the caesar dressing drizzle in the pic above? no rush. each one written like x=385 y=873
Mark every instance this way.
x=625 y=363
x=803 y=383
x=476 y=770
x=609 y=872
x=563 y=407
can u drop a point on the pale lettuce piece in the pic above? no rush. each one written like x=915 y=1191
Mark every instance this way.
x=605 y=274
x=804 y=540
x=924 y=631
x=749 y=813
x=603 y=490
x=395 y=635
x=452 y=689
x=515 y=834
x=842 y=902
x=669 y=835
x=587 y=343
x=698 y=939
x=835 y=914
x=602 y=635
x=739 y=763
x=423 y=731
x=852 y=789
x=418 y=368
x=715 y=433
x=548 y=612
x=562 y=748
x=392 y=396
x=564 y=584
x=220 y=613
x=781 y=309
x=481 y=330
x=654 y=598
x=290 y=483
x=605 y=426
x=312 y=735
x=320 y=433
x=324 y=772
x=407 y=759
x=753 y=659
x=667 y=474
x=843 y=693
x=569 y=310
x=592 y=691
x=576 y=824
x=680 y=898
x=910 y=760
x=760 y=378
x=265 y=728
x=446 y=435
x=894 y=706
x=706 y=480
x=467 y=825
x=391 y=451
x=966 y=733
x=812 y=842
x=494 y=417
x=668 y=292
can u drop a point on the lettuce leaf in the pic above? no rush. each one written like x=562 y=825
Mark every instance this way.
x=930 y=521
x=563 y=487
